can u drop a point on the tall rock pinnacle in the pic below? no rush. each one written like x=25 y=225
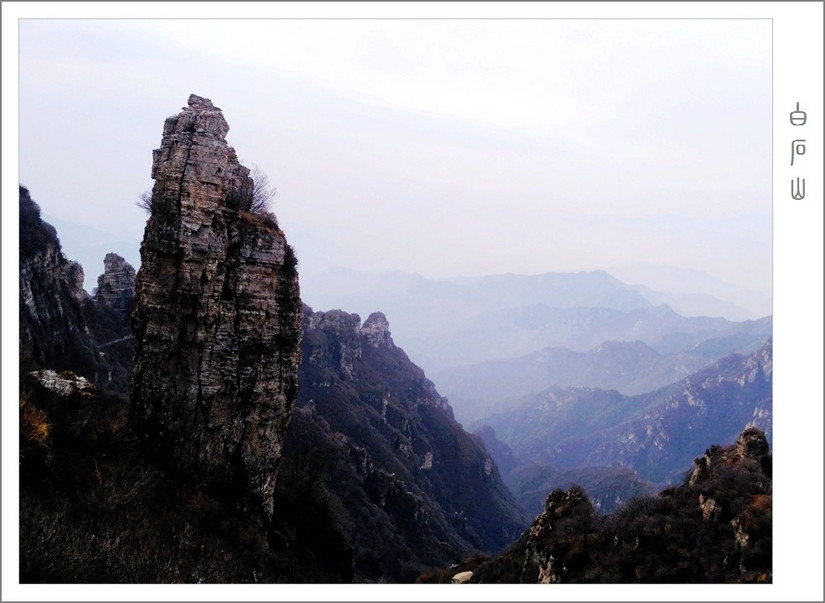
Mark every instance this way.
x=116 y=286
x=216 y=317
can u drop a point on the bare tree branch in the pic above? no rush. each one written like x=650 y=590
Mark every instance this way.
x=145 y=200
x=263 y=193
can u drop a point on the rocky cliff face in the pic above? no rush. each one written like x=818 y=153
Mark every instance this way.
x=116 y=286
x=61 y=326
x=415 y=490
x=51 y=295
x=216 y=317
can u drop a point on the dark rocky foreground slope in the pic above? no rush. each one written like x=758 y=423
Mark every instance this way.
x=377 y=483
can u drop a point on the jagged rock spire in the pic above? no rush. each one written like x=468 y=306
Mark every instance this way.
x=376 y=329
x=216 y=318
x=116 y=286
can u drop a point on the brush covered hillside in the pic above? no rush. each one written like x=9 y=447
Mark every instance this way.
x=607 y=441
x=715 y=527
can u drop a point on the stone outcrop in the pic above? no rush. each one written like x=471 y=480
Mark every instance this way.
x=72 y=406
x=61 y=326
x=751 y=445
x=376 y=330
x=52 y=325
x=216 y=317
x=344 y=344
x=398 y=462
x=565 y=512
x=63 y=384
x=347 y=339
x=116 y=286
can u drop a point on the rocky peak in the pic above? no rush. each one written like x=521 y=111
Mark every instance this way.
x=51 y=295
x=752 y=444
x=396 y=436
x=200 y=116
x=376 y=330
x=342 y=346
x=75 y=277
x=342 y=324
x=564 y=512
x=116 y=286
x=216 y=318
x=346 y=342
x=61 y=326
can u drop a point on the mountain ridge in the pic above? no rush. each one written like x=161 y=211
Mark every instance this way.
x=630 y=367
x=397 y=429
x=652 y=433
x=448 y=324
x=714 y=527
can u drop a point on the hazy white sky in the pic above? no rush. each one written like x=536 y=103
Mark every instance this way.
x=442 y=147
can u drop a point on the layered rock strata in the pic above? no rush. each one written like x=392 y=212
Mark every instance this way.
x=393 y=454
x=116 y=286
x=61 y=326
x=53 y=329
x=216 y=317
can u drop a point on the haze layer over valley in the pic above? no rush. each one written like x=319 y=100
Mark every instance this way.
x=487 y=340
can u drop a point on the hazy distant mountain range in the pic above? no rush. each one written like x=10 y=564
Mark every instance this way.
x=446 y=323
x=561 y=432
x=691 y=292
x=487 y=339
x=631 y=367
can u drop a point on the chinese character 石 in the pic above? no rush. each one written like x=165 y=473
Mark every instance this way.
x=797 y=148
x=798 y=117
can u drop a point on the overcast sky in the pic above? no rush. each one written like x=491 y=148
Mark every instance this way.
x=443 y=147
